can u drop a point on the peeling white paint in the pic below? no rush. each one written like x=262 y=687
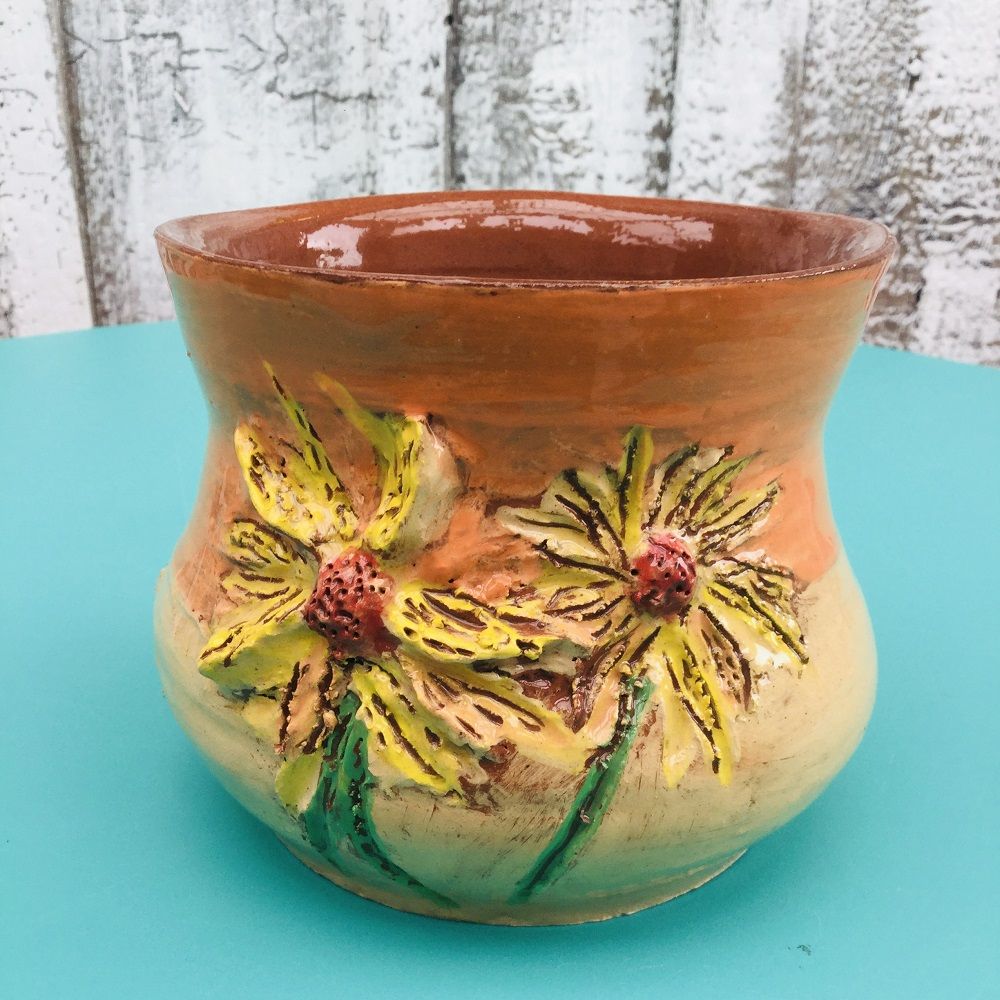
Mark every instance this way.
x=43 y=285
x=186 y=107
x=735 y=105
x=572 y=94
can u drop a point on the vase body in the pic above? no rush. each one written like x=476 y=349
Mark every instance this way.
x=608 y=636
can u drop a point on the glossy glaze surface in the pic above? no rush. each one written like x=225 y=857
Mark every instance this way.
x=535 y=237
x=625 y=747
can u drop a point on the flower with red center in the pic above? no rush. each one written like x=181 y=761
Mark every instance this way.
x=347 y=606
x=346 y=661
x=663 y=573
x=645 y=567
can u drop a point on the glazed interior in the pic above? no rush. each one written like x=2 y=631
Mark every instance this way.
x=532 y=238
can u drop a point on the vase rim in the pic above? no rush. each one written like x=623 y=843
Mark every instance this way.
x=609 y=242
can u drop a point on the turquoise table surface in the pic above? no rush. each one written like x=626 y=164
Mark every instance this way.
x=126 y=871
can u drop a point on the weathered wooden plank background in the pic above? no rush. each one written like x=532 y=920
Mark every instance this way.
x=117 y=114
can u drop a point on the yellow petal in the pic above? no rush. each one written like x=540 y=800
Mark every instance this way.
x=736 y=520
x=484 y=709
x=669 y=479
x=270 y=567
x=263 y=715
x=296 y=780
x=577 y=524
x=632 y=474
x=769 y=614
x=448 y=625
x=712 y=489
x=418 y=478
x=259 y=546
x=689 y=677
x=680 y=737
x=406 y=736
x=309 y=506
x=256 y=646
x=309 y=701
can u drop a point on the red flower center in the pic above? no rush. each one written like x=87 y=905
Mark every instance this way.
x=664 y=574
x=347 y=605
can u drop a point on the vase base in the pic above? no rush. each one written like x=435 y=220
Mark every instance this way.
x=534 y=913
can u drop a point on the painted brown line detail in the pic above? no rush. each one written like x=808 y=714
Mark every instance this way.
x=724 y=472
x=259 y=577
x=602 y=611
x=570 y=609
x=557 y=525
x=571 y=563
x=586 y=521
x=379 y=705
x=209 y=650
x=322 y=703
x=793 y=643
x=597 y=512
x=443 y=647
x=265 y=545
x=467 y=618
x=684 y=500
x=737 y=652
x=668 y=477
x=712 y=538
x=626 y=480
x=286 y=705
x=640 y=651
x=765 y=569
x=593 y=672
x=523 y=715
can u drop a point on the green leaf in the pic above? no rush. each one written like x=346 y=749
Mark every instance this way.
x=338 y=821
x=594 y=797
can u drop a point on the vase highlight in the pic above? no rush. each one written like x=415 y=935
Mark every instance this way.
x=512 y=591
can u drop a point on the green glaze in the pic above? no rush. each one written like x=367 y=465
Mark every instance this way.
x=338 y=819
x=594 y=798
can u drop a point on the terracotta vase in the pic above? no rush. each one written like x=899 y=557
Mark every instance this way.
x=512 y=592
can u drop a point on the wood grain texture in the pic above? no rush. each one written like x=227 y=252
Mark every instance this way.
x=43 y=284
x=901 y=122
x=736 y=103
x=187 y=107
x=572 y=94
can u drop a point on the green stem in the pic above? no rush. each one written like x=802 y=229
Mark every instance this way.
x=340 y=812
x=594 y=797
x=317 y=819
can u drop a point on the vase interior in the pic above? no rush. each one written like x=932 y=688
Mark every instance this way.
x=532 y=238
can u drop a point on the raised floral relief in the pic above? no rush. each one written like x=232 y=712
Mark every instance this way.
x=361 y=670
x=648 y=568
x=363 y=676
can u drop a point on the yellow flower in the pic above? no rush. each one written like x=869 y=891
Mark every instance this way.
x=647 y=567
x=327 y=627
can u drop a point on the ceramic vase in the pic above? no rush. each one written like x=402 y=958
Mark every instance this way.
x=512 y=592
